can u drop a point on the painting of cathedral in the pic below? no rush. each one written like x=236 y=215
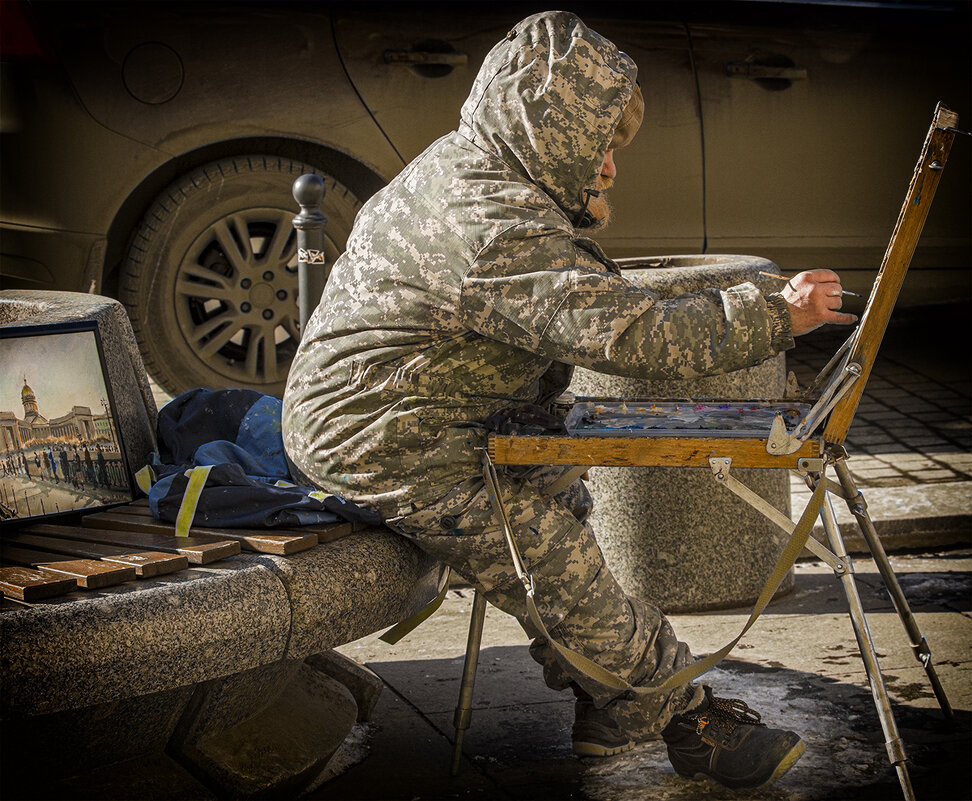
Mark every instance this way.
x=60 y=449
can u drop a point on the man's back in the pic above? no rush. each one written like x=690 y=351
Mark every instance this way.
x=391 y=362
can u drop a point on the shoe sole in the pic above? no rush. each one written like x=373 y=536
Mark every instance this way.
x=583 y=749
x=784 y=765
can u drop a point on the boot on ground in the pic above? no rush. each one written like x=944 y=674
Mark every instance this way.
x=724 y=740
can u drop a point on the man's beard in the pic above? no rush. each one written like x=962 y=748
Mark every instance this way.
x=598 y=205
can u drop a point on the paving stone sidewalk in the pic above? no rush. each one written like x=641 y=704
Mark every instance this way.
x=914 y=423
x=798 y=666
x=910 y=446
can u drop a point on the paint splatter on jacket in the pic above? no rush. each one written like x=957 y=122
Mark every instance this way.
x=466 y=288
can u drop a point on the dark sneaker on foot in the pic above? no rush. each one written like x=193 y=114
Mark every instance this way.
x=595 y=733
x=724 y=740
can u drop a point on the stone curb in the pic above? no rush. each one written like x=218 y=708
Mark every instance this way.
x=923 y=516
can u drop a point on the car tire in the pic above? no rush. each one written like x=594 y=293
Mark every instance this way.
x=210 y=277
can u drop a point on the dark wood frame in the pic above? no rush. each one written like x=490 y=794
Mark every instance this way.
x=77 y=327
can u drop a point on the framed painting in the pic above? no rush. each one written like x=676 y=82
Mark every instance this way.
x=61 y=449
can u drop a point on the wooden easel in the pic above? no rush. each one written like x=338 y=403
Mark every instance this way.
x=809 y=448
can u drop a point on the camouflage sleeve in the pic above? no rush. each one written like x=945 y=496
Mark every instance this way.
x=540 y=292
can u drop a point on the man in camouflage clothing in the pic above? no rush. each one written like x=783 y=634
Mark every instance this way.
x=467 y=292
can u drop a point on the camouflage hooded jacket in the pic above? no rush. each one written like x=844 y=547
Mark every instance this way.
x=465 y=287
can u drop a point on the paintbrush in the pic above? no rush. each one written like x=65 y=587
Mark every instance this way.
x=784 y=278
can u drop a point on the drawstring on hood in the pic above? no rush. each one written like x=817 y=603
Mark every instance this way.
x=585 y=219
x=547 y=101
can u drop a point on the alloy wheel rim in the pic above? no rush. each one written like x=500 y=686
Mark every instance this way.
x=236 y=296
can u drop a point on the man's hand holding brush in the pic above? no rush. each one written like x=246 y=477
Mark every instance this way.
x=814 y=297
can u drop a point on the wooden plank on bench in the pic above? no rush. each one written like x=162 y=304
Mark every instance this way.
x=198 y=550
x=27 y=584
x=140 y=510
x=325 y=532
x=259 y=540
x=146 y=563
x=329 y=532
x=90 y=574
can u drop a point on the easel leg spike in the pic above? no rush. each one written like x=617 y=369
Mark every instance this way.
x=464 y=709
x=879 y=692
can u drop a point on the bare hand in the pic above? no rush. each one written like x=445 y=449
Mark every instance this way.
x=813 y=298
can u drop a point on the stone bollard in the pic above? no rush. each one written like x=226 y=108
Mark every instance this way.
x=673 y=536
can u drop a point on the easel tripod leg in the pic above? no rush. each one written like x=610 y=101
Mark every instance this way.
x=865 y=643
x=464 y=708
x=919 y=646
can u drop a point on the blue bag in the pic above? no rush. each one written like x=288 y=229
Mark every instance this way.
x=221 y=463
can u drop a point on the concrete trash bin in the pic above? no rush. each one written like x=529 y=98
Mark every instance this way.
x=673 y=536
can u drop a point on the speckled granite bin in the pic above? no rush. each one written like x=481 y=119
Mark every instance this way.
x=673 y=535
x=216 y=681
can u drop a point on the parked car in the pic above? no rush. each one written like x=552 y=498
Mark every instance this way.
x=149 y=148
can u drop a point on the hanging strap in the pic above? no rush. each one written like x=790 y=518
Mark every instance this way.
x=836 y=488
x=608 y=678
x=783 y=564
x=576 y=660
x=399 y=630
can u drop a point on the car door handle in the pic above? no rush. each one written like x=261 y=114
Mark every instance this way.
x=413 y=58
x=754 y=72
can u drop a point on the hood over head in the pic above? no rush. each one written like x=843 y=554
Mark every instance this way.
x=547 y=101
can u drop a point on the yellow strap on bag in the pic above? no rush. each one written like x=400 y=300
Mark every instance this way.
x=187 y=510
x=145 y=478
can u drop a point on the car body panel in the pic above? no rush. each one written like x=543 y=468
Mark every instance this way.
x=77 y=143
x=244 y=73
x=414 y=108
x=805 y=194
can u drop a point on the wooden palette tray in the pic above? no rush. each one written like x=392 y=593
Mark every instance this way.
x=639 y=432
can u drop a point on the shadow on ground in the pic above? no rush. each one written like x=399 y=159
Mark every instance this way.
x=518 y=744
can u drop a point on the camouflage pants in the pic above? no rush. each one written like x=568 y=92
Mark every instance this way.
x=579 y=600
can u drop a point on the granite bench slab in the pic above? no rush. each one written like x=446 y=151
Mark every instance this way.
x=207 y=622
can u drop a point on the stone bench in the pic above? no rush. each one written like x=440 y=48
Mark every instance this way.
x=218 y=680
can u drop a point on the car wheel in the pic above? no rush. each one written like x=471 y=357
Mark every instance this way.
x=210 y=278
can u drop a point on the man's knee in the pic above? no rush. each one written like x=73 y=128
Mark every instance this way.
x=559 y=551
